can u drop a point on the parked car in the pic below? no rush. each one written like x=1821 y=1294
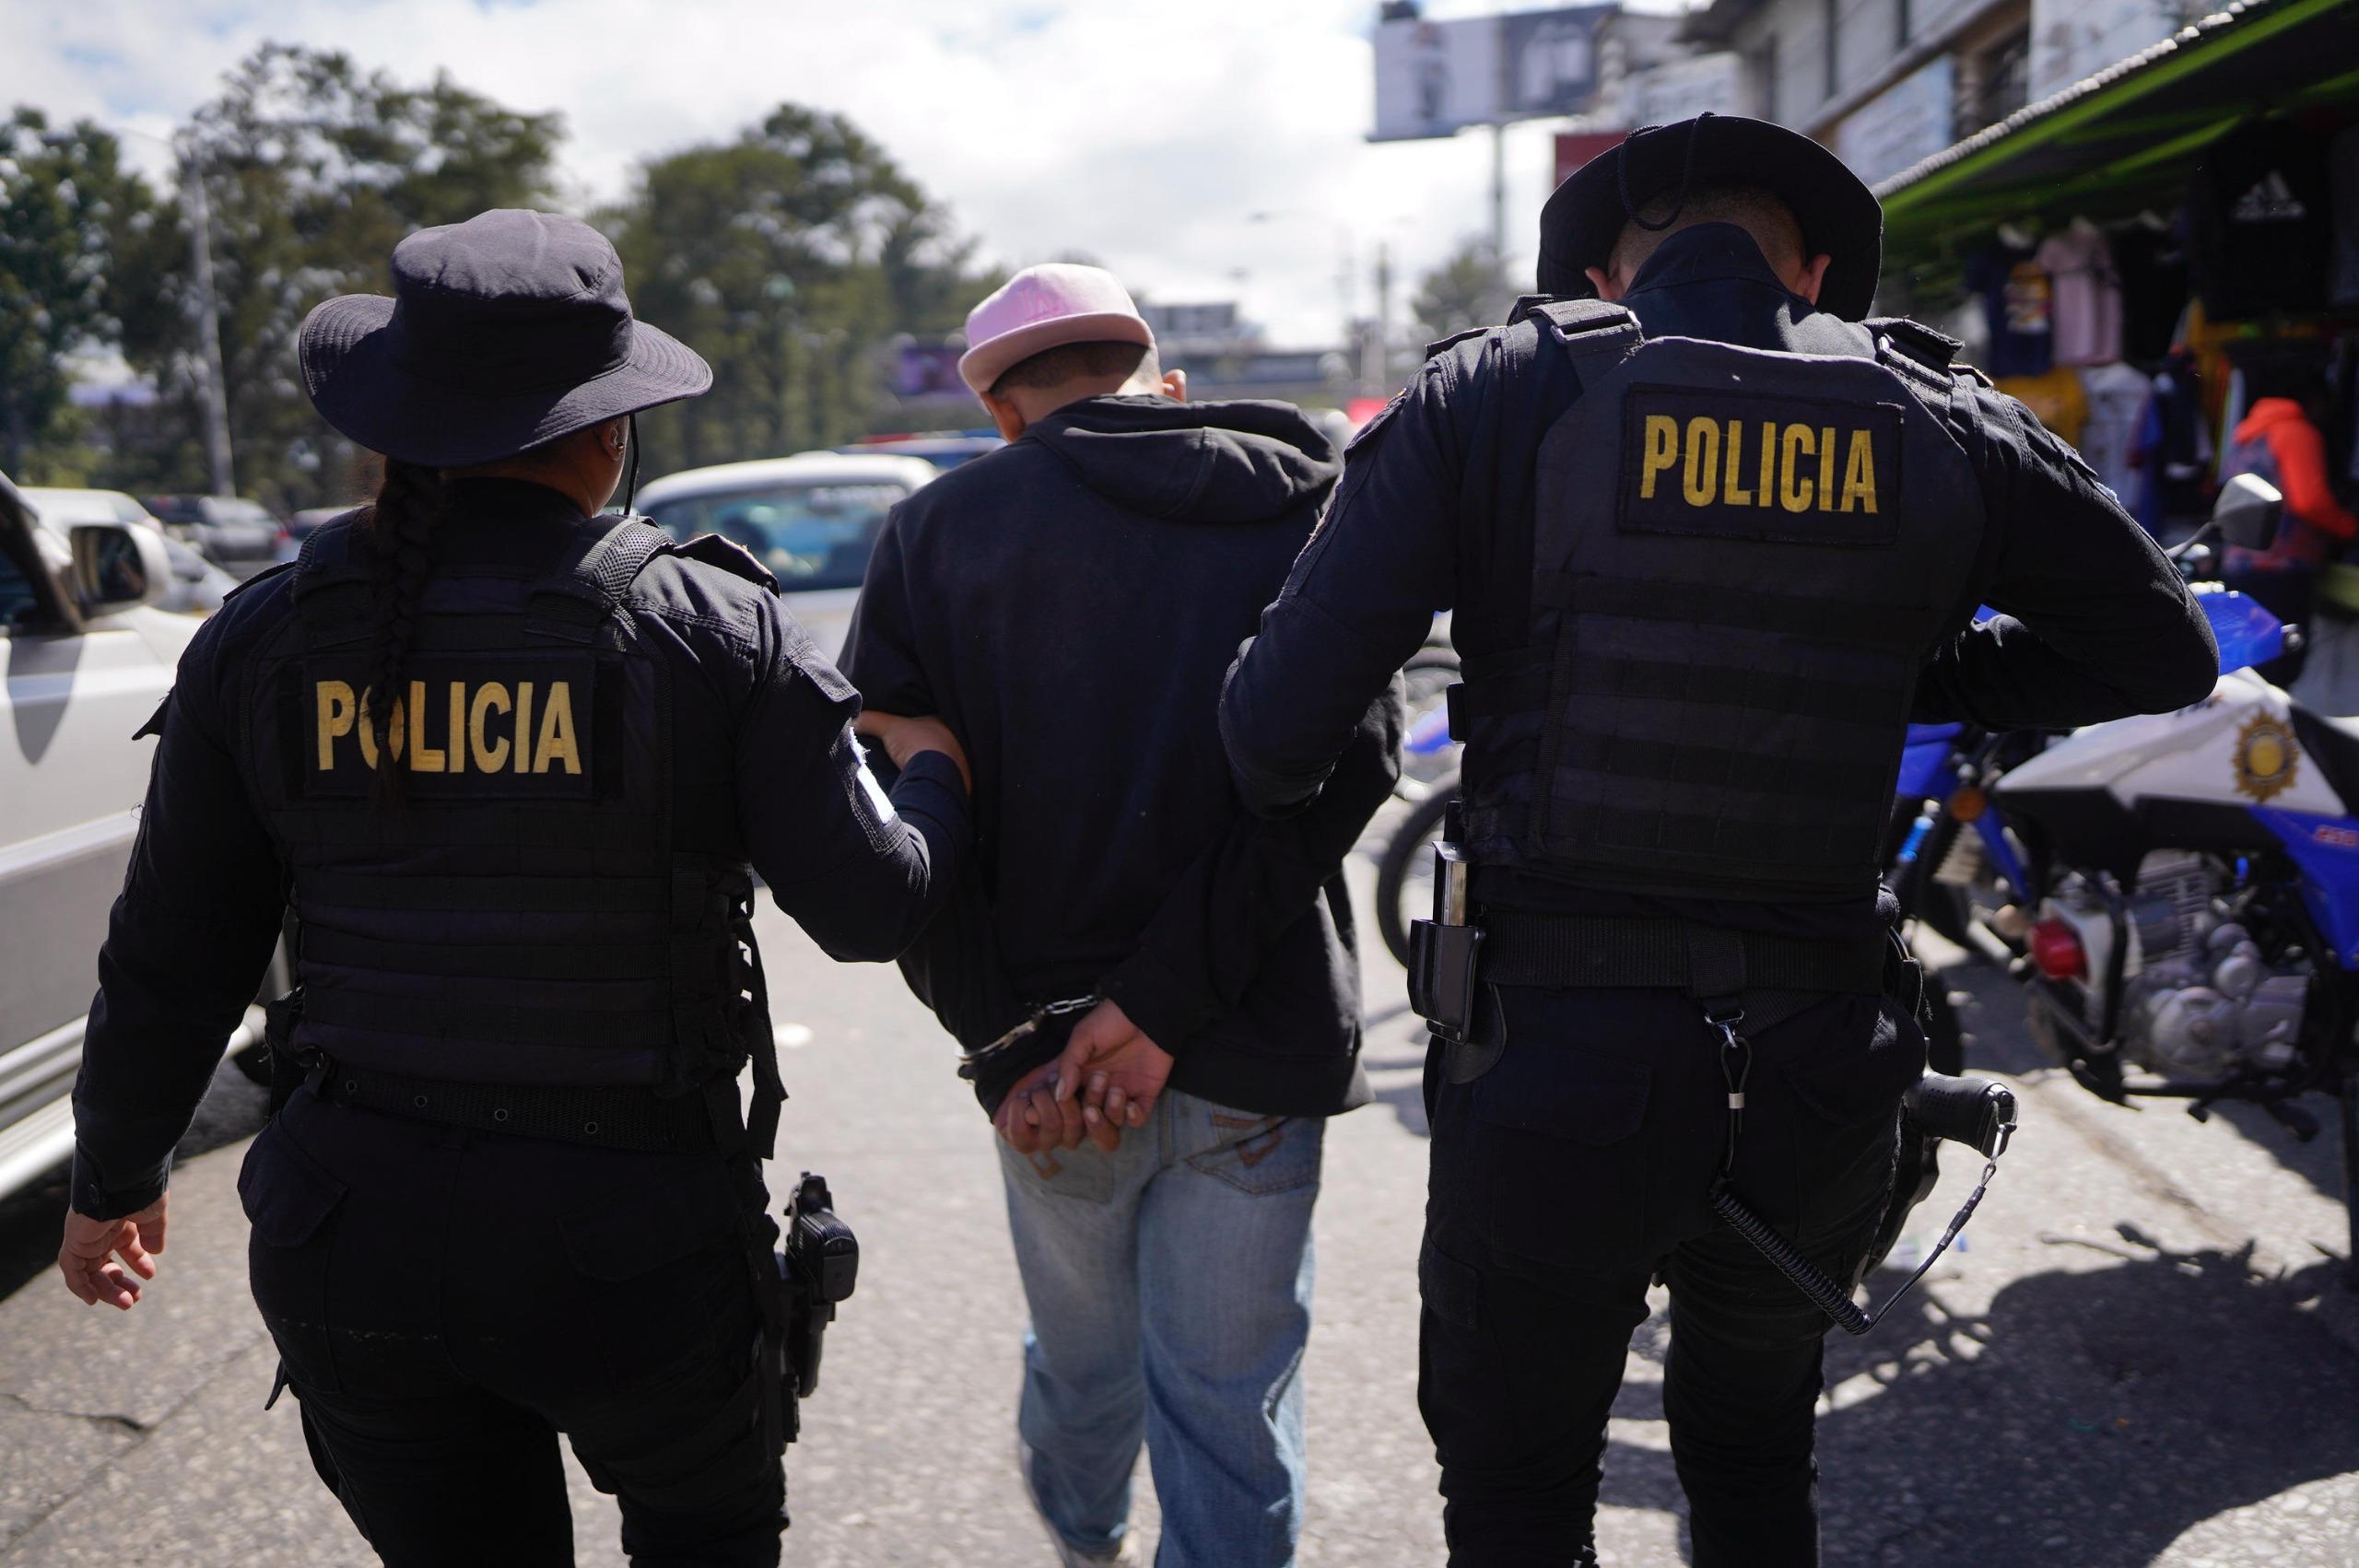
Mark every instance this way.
x=85 y=659
x=305 y=523
x=944 y=448
x=239 y=537
x=197 y=586
x=812 y=519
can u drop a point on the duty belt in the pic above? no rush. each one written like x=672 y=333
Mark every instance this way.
x=635 y=1120
x=1703 y=961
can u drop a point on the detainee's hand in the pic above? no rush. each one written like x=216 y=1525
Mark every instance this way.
x=904 y=737
x=1032 y=1118
x=1113 y=1069
x=87 y=1257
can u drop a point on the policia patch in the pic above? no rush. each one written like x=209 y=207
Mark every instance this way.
x=489 y=725
x=1745 y=465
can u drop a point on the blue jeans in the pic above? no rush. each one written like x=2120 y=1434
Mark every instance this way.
x=1169 y=1283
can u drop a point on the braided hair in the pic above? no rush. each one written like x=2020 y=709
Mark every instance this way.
x=399 y=527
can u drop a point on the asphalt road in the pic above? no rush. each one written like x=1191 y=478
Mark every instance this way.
x=2143 y=1354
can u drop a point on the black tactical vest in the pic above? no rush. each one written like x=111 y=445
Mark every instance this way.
x=524 y=918
x=1742 y=560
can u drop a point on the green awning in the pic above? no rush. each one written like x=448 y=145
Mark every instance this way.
x=2128 y=137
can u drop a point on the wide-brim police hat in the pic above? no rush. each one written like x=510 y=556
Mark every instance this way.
x=1840 y=217
x=504 y=333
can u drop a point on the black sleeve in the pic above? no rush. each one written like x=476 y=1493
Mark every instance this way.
x=1360 y=600
x=1206 y=941
x=880 y=654
x=2095 y=623
x=861 y=871
x=185 y=950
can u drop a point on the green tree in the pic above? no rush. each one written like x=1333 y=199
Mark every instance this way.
x=1470 y=290
x=315 y=169
x=789 y=258
x=64 y=196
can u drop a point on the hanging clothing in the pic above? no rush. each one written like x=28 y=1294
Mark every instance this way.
x=2278 y=442
x=2150 y=262
x=2117 y=396
x=2259 y=208
x=2055 y=395
x=2342 y=179
x=2086 y=313
x=2173 y=448
x=2017 y=302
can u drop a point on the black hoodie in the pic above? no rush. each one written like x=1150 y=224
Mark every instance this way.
x=1069 y=605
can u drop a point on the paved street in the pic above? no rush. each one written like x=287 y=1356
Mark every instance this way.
x=2143 y=1356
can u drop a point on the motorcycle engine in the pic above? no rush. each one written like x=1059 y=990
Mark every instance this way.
x=2199 y=998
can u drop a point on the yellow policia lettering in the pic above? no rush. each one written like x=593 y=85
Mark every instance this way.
x=524 y=726
x=1795 y=496
x=1859 y=473
x=423 y=758
x=1701 y=479
x=1826 y=468
x=556 y=730
x=458 y=743
x=1662 y=451
x=1767 y=488
x=337 y=713
x=1735 y=497
x=492 y=755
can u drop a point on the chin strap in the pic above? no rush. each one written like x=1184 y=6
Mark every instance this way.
x=630 y=471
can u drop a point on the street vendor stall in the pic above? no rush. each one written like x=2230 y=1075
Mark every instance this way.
x=2162 y=260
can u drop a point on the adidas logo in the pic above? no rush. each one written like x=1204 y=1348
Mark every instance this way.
x=2270 y=202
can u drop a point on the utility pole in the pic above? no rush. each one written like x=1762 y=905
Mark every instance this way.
x=1499 y=194
x=216 y=389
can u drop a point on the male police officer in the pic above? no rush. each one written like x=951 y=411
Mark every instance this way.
x=515 y=1196
x=1711 y=548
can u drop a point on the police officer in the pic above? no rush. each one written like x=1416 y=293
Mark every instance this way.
x=504 y=763
x=1713 y=541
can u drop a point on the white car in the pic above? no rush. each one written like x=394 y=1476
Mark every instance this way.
x=85 y=659
x=812 y=519
x=197 y=586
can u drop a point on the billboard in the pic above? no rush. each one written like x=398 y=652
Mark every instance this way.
x=1434 y=78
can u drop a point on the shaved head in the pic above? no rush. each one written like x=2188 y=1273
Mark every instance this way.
x=1770 y=222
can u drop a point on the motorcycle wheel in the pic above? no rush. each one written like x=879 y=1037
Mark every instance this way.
x=1404 y=876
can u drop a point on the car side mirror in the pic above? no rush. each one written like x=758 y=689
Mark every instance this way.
x=119 y=565
x=2247 y=512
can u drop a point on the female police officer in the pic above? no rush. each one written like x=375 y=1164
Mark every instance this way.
x=504 y=762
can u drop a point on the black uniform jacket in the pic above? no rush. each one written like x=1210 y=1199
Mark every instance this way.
x=1435 y=511
x=202 y=902
x=1069 y=605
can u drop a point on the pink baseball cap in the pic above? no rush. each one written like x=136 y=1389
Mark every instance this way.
x=1043 y=308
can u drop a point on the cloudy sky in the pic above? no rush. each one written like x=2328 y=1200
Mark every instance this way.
x=1145 y=133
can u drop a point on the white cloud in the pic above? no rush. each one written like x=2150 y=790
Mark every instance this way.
x=1142 y=134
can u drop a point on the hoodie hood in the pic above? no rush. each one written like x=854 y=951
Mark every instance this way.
x=1246 y=461
x=2267 y=412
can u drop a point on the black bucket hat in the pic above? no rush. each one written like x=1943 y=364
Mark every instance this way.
x=1839 y=216
x=505 y=332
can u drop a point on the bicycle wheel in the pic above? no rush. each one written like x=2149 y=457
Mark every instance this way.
x=1405 y=877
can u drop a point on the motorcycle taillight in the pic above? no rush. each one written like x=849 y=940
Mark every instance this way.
x=2056 y=949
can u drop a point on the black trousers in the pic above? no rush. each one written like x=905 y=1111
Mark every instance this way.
x=446 y=1303
x=1570 y=1174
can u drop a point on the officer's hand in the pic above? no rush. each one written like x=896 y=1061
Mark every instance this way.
x=1113 y=1069
x=903 y=738
x=1032 y=1118
x=87 y=1258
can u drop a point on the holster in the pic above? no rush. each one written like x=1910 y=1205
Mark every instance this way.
x=1442 y=965
x=287 y=1070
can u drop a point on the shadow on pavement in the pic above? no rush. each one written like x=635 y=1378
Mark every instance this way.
x=32 y=1218
x=2089 y=1418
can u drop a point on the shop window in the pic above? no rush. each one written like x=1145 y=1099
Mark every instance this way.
x=2005 y=83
